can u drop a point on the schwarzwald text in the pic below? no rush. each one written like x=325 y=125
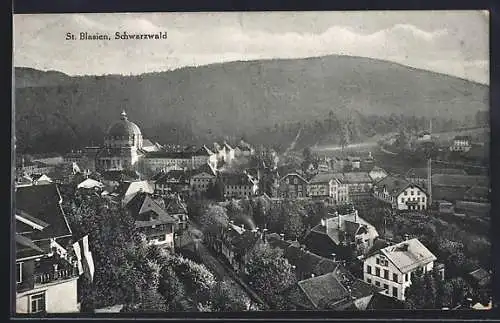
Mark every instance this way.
x=119 y=35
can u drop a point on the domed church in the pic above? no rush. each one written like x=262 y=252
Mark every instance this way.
x=123 y=146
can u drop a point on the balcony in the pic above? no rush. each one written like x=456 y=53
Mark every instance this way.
x=49 y=277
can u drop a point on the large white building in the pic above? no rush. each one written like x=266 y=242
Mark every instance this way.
x=327 y=186
x=401 y=194
x=392 y=267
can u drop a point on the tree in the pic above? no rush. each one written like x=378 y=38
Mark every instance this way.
x=227 y=297
x=214 y=219
x=270 y=274
x=293 y=227
x=344 y=136
x=172 y=290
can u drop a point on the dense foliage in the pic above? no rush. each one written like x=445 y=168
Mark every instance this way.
x=269 y=274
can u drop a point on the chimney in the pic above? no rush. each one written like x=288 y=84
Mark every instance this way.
x=243 y=227
x=406 y=237
x=323 y=222
x=340 y=219
x=334 y=256
x=264 y=237
x=356 y=216
x=282 y=236
x=312 y=275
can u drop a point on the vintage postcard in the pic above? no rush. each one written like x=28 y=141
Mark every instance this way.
x=251 y=161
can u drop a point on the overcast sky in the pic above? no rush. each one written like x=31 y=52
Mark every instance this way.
x=450 y=42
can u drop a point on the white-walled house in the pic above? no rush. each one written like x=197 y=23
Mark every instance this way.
x=401 y=194
x=391 y=268
x=327 y=186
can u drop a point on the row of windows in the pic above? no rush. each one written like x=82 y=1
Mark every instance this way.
x=412 y=199
x=412 y=192
x=386 y=287
x=386 y=274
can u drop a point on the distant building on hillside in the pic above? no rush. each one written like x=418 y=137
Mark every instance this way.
x=461 y=144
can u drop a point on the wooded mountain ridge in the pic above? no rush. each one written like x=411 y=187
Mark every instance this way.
x=57 y=111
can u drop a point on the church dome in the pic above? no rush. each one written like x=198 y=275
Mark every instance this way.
x=124 y=128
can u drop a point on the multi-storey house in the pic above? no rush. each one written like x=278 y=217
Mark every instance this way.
x=152 y=220
x=46 y=276
x=401 y=194
x=392 y=267
x=293 y=186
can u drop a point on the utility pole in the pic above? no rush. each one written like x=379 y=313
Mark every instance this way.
x=429 y=168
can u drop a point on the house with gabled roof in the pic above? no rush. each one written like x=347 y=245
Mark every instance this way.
x=342 y=234
x=328 y=187
x=293 y=186
x=331 y=291
x=401 y=194
x=152 y=220
x=46 y=276
x=392 y=267
x=377 y=173
x=173 y=181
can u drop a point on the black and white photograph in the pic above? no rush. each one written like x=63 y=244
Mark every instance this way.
x=240 y=162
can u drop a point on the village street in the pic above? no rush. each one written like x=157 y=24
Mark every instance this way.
x=192 y=241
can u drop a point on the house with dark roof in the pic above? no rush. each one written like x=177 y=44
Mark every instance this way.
x=243 y=149
x=175 y=206
x=239 y=185
x=332 y=291
x=344 y=235
x=235 y=245
x=393 y=266
x=152 y=220
x=480 y=279
x=127 y=190
x=292 y=186
x=400 y=193
x=46 y=275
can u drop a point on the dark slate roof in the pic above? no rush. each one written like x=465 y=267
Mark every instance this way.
x=462 y=138
x=361 y=289
x=203 y=151
x=205 y=168
x=26 y=248
x=42 y=202
x=142 y=203
x=33 y=219
x=480 y=276
x=384 y=302
x=323 y=290
x=174 y=205
x=393 y=184
x=174 y=176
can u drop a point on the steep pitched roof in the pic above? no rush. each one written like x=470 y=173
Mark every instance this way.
x=293 y=174
x=142 y=203
x=408 y=255
x=349 y=223
x=26 y=248
x=32 y=221
x=322 y=178
x=42 y=202
x=393 y=184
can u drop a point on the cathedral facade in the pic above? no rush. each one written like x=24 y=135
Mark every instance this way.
x=123 y=146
